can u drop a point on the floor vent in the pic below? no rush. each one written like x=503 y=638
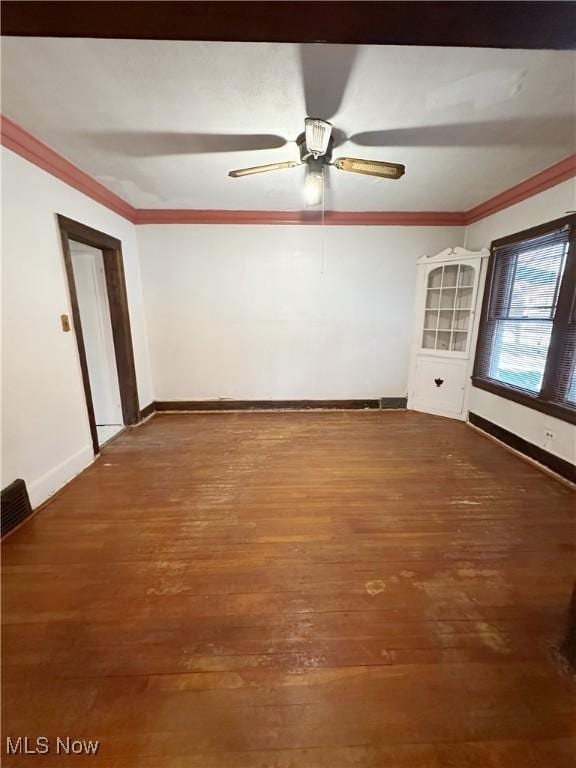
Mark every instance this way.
x=14 y=506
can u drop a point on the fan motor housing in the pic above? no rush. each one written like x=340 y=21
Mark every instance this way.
x=308 y=157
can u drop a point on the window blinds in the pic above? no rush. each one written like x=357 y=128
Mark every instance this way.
x=528 y=336
x=562 y=383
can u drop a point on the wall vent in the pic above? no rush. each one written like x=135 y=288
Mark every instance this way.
x=14 y=506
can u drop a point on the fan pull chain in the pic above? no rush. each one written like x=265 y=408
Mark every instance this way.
x=323 y=235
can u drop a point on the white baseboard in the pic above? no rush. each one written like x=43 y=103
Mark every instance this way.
x=45 y=486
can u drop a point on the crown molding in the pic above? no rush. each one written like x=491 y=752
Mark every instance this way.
x=332 y=218
x=15 y=138
x=550 y=177
x=21 y=142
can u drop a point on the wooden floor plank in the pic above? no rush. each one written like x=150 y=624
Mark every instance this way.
x=295 y=590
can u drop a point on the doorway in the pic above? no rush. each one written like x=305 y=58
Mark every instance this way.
x=94 y=309
x=95 y=272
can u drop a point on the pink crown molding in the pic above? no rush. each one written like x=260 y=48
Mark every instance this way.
x=15 y=138
x=550 y=177
x=361 y=218
x=21 y=142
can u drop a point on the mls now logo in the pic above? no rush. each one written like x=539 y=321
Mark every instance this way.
x=68 y=746
x=24 y=745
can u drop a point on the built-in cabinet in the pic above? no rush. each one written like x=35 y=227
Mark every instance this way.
x=446 y=324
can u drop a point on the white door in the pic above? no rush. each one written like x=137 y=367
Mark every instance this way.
x=90 y=281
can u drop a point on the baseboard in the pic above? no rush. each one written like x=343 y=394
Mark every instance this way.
x=548 y=460
x=278 y=405
x=568 y=647
x=393 y=403
x=147 y=411
x=45 y=486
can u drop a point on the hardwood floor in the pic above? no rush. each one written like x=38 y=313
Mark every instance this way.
x=290 y=590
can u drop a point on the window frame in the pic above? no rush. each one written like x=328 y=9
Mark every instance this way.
x=565 y=308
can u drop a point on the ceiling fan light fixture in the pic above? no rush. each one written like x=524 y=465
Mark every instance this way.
x=313 y=187
x=317 y=135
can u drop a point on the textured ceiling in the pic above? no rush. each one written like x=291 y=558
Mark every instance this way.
x=147 y=118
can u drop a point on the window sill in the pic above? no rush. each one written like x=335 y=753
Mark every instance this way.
x=565 y=413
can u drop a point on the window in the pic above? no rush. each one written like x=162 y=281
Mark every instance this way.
x=527 y=340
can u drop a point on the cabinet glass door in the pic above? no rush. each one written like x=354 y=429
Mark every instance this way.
x=448 y=308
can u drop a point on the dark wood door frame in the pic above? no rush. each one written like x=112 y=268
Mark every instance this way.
x=111 y=248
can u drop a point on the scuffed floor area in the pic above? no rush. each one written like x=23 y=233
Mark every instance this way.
x=295 y=590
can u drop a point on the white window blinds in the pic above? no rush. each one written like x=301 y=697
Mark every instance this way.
x=527 y=339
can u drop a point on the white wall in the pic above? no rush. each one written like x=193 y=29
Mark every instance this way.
x=282 y=312
x=246 y=312
x=46 y=436
x=525 y=422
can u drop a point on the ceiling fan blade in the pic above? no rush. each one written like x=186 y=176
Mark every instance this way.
x=166 y=143
x=387 y=138
x=548 y=130
x=370 y=167
x=325 y=71
x=263 y=168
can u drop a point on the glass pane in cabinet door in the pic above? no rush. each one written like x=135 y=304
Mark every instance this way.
x=443 y=340
x=431 y=319
x=450 y=276
x=445 y=320
x=447 y=298
x=428 y=339
x=461 y=319
x=433 y=298
x=463 y=298
x=458 y=343
x=466 y=277
x=435 y=278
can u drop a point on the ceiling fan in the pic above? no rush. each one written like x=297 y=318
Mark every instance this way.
x=316 y=145
x=323 y=95
x=325 y=72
